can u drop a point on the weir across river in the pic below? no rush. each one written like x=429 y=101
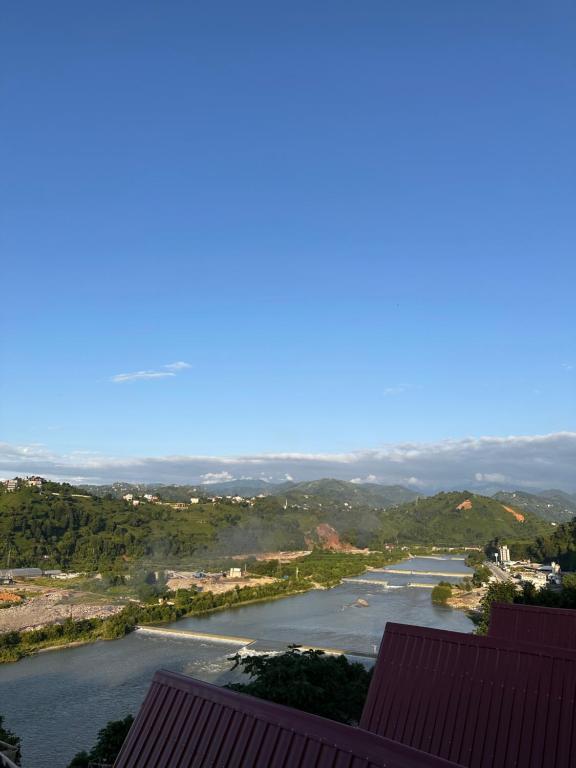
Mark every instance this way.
x=406 y=572
x=244 y=641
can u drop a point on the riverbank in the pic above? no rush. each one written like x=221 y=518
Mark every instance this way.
x=102 y=681
x=320 y=570
x=466 y=601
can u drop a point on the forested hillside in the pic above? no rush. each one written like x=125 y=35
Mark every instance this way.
x=60 y=526
x=461 y=517
x=559 y=545
x=339 y=491
x=553 y=506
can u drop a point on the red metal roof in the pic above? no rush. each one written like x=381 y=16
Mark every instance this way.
x=479 y=701
x=184 y=723
x=534 y=624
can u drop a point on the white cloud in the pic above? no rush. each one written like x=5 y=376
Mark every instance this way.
x=532 y=461
x=120 y=378
x=395 y=390
x=216 y=477
x=413 y=481
x=171 y=370
x=490 y=477
x=367 y=479
x=568 y=366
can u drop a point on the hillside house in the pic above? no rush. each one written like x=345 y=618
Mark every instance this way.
x=34 y=481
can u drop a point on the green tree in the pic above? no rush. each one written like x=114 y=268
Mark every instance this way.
x=10 y=738
x=441 y=593
x=481 y=575
x=498 y=592
x=329 y=686
x=106 y=749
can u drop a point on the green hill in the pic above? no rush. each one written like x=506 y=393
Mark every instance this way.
x=553 y=506
x=61 y=526
x=342 y=491
x=460 y=517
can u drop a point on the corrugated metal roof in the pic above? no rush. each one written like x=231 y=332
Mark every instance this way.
x=184 y=723
x=479 y=701
x=534 y=624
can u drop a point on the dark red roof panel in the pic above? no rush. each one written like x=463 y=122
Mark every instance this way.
x=184 y=723
x=534 y=624
x=481 y=702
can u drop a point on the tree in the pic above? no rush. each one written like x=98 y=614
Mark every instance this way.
x=498 y=592
x=106 y=749
x=10 y=738
x=441 y=593
x=481 y=575
x=312 y=681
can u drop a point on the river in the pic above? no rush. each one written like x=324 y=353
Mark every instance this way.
x=57 y=701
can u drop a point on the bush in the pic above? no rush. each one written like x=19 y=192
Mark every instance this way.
x=481 y=575
x=10 y=738
x=106 y=749
x=312 y=681
x=498 y=592
x=441 y=593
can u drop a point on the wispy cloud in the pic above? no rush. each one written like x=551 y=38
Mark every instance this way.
x=397 y=390
x=169 y=370
x=530 y=461
x=568 y=366
x=120 y=378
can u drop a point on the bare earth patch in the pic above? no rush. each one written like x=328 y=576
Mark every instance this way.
x=466 y=601
x=51 y=607
x=216 y=585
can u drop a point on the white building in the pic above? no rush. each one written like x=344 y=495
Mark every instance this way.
x=128 y=497
x=235 y=573
x=194 y=500
x=35 y=481
x=12 y=485
x=504 y=554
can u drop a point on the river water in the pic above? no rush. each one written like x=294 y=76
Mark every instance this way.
x=57 y=701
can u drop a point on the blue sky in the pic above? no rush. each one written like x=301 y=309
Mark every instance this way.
x=354 y=222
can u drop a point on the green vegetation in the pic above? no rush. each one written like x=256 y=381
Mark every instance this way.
x=507 y=592
x=107 y=748
x=329 y=686
x=497 y=592
x=553 y=506
x=437 y=520
x=15 y=645
x=441 y=592
x=10 y=738
x=465 y=585
x=59 y=527
x=481 y=575
x=560 y=545
x=323 y=568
